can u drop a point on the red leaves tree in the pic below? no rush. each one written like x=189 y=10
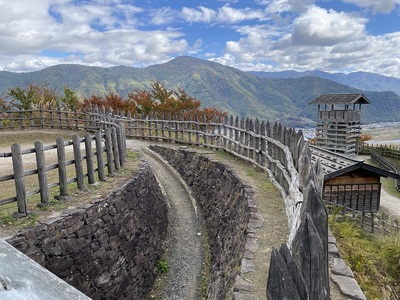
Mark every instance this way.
x=111 y=100
x=160 y=100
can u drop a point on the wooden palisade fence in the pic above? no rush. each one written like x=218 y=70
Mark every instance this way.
x=108 y=137
x=271 y=146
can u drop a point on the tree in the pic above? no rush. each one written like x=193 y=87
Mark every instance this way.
x=364 y=138
x=160 y=100
x=3 y=104
x=110 y=101
x=70 y=99
x=33 y=95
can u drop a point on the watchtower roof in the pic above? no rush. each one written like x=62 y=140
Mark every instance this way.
x=340 y=99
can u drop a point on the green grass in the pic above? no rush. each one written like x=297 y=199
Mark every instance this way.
x=387 y=183
x=374 y=259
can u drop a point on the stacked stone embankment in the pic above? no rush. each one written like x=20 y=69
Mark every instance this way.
x=222 y=198
x=108 y=249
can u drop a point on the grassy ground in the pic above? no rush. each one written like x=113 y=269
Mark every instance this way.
x=9 y=224
x=374 y=259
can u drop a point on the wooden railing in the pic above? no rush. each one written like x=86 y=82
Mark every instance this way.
x=384 y=150
x=270 y=146
x=387 y=165
x=95 y=153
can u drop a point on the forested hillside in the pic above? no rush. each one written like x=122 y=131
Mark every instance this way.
x=215 y=85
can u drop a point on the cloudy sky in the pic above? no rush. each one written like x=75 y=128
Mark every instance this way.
x=263 y=35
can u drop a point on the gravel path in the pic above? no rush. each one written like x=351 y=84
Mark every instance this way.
x=184 y=246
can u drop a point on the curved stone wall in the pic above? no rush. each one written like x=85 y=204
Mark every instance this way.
x=108 y=249
x=223 y=199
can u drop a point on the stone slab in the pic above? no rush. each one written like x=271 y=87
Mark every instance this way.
x=349 y=287
x=23 y=278
x=340 y=268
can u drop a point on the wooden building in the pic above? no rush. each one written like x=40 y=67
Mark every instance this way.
x=350 y=182
x=339 y=121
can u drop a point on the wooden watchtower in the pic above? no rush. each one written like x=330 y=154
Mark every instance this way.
x=339 y=122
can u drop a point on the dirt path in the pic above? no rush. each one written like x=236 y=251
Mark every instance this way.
x=391 y=203
x=184 y=246
x=271 y=211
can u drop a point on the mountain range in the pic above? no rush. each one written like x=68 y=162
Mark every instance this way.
x=279 y=96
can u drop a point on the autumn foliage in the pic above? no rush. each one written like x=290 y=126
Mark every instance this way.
x=159 y=100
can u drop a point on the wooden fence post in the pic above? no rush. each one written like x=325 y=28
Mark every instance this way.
x=169 y=128
x=42 y=175
x=110 y=165
x=129 y=117
x=51 y=116
x=76 y=119
x=242 y=127
x=247 y=138
x=19 y=180
x=213 y=129
x=230 y=133
x=120 y=143
x=78 y=162
x=62 y=171
x=189 y=128
x=205 y=133
x=196 y=120
x=31 y=119
x=237 y=135
x=142 y=126
x=176 y=122
x=149 y=123
x=115 y=148
x=182 y=122
x=59 y=115
x=123 y=139
x=41 y=115
x=99 y=155
x=89 y=158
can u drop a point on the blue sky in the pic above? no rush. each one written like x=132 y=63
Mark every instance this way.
x=262 y=35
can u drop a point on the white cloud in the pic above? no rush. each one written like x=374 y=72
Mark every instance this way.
x=201 y=14
x=225 y=14
x=164 y=15
x=273 y=34
x=232 y=15
x=378 y=6
x=317 y=39
x=101 y=32
x=320 y=27
x=280 y=6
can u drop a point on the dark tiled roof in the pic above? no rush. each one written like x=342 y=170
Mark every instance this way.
x=330 y=161
x=340 y=99
x=334 y=164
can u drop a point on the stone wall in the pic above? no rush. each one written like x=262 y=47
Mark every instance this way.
x=222 y=198
x=108 y=249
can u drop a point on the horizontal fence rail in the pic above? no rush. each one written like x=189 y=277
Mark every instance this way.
x=271 y=146
x=387 y=165
x=89 y=157
x=384 y=150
